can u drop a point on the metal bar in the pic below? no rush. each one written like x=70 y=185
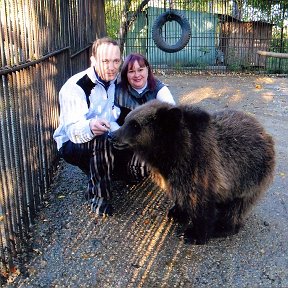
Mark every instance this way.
x=4 y=71
x=18 y=229
x=80 y=51
x=23 y=152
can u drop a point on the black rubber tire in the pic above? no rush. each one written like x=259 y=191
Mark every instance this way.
x=157 y=31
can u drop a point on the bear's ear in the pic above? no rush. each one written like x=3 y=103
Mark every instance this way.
x=170 y=117
x=175 y=114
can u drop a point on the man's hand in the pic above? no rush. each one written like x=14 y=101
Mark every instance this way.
x=99 y=126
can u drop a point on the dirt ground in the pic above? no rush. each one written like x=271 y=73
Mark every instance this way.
x=138 y=246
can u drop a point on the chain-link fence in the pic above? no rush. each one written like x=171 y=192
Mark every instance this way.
x=223 y=35
x=41 y=44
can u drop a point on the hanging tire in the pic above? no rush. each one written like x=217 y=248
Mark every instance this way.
x=157 y=31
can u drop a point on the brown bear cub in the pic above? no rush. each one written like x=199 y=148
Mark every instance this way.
x=214 y=166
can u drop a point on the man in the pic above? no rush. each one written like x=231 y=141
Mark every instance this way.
x=87 y=113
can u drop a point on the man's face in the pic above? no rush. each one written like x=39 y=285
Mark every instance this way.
x=107 y=61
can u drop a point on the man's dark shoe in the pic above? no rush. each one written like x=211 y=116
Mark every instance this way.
x=101 y=207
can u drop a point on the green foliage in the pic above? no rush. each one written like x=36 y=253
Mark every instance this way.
x=113 y=11
x=234 y=63
x=276 y=65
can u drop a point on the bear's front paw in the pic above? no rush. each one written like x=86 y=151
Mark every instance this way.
x=191 y=237
x=172 y=212
x=177 y=214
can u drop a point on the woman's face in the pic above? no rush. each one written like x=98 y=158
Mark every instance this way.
x=137 y=76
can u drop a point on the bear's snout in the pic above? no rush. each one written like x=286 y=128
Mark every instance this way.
x=110 y=137
x=114 y=138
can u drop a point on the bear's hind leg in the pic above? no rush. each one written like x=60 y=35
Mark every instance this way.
x=230 y=216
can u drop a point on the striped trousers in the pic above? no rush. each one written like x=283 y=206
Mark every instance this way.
x=103 y=164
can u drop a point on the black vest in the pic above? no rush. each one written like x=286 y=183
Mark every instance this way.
x=130 y=99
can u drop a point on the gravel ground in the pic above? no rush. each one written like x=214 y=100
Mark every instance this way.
x=138 y=246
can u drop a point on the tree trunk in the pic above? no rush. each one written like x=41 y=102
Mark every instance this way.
x=128 y=21
x=99 y=16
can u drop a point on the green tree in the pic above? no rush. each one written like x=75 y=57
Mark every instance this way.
x=122 y=14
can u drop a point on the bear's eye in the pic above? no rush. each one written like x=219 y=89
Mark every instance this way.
x=135 y=126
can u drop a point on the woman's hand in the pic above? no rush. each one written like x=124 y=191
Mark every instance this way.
x=99 y=126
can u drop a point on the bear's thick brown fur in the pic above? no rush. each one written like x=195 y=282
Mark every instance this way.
x=214 y=166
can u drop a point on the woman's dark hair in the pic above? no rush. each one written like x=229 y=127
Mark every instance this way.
x=143 y=62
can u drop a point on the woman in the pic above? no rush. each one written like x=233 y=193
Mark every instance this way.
x=138 y=85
